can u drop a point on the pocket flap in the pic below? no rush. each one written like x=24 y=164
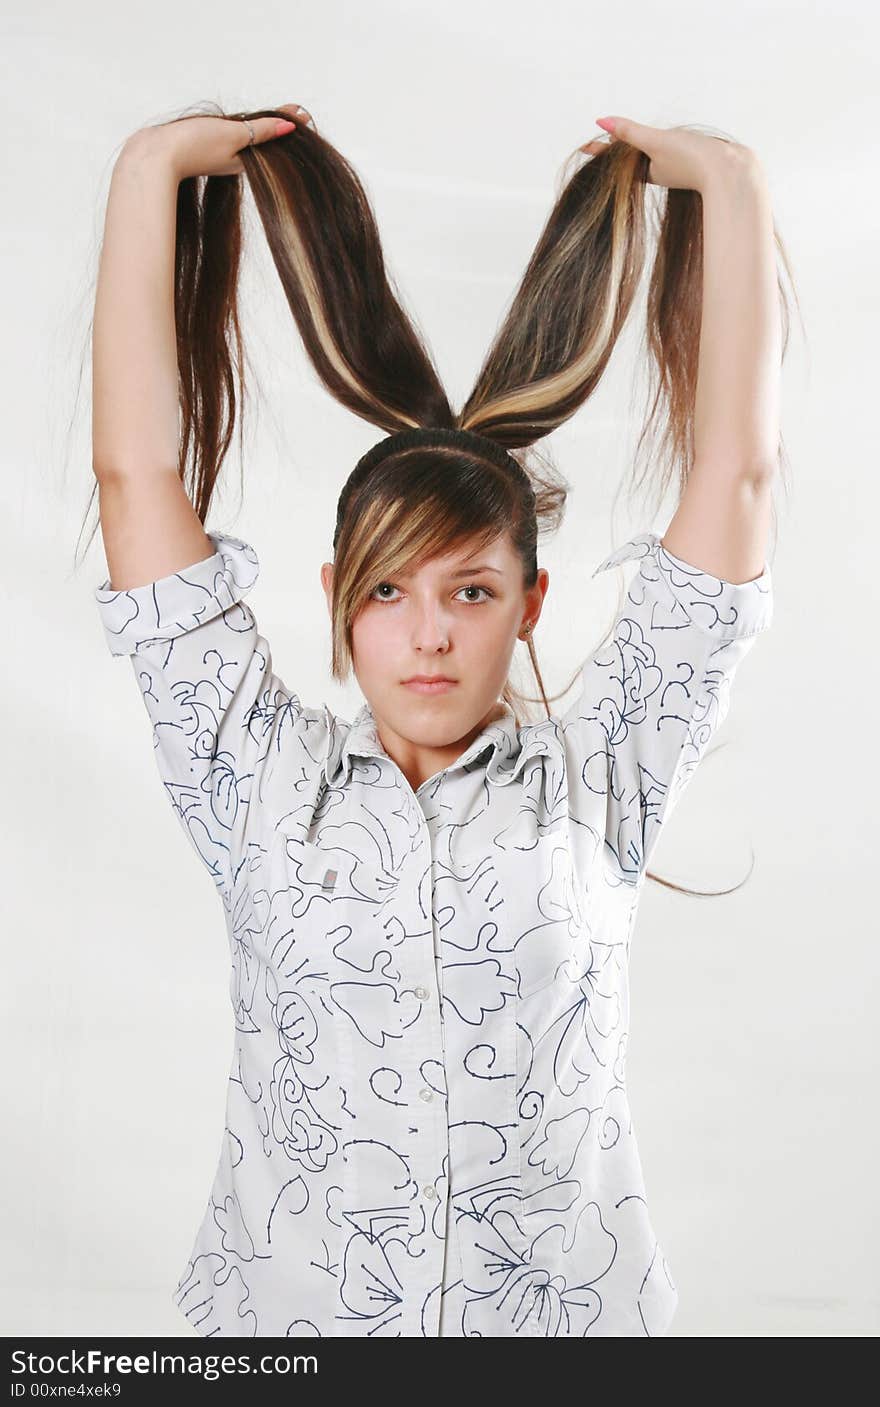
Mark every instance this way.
x=333 y=870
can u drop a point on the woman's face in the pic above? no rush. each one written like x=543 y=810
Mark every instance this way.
x=459 y=616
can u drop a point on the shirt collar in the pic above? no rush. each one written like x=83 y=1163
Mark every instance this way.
x=501 y=746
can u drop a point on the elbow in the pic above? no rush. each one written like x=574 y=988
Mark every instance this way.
x=756 y=470
x=763 y=470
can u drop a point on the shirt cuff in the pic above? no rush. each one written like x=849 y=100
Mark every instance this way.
x=726 y=610
x=175 y=604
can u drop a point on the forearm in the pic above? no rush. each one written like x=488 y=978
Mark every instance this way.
x=736 y=421
x=135 y=413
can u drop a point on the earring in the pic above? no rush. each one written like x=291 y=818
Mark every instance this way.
x=527 y=629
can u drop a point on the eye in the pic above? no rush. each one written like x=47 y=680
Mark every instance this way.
x=374 y=596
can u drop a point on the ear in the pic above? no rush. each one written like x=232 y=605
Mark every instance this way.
x=327 y=583
x=535 y=598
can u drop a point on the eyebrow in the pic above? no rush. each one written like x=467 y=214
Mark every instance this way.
x=462 y=571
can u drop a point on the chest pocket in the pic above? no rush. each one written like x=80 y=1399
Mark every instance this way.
x=336 y=870
x=542 y=912
x=334 y=908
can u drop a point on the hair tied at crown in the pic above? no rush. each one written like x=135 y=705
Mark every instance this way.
x=427 y=437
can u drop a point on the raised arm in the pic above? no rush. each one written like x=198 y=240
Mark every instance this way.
x=174 y=600
x=150 y=527
x=652 y=698
x=722 y=521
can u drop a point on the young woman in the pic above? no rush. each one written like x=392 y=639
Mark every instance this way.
x=430 y=909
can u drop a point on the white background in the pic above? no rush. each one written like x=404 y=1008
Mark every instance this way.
x=753 y=1057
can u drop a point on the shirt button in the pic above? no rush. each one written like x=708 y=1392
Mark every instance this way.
x=422 y=993
x=429 y=1190
x=426 y=1094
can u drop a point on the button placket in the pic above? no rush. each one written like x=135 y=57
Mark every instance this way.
x=428 y=1118
x=428 y=1122
x=428 y=1145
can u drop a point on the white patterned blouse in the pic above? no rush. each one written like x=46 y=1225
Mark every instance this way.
x=427 y=1123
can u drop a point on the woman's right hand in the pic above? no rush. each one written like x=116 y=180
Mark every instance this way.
x=209 y=146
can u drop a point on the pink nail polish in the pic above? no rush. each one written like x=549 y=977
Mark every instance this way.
x=282 y=126
x=606 y=122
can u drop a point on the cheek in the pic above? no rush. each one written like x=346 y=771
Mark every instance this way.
x=496 y=631
x=370 y=636
x=484 y=648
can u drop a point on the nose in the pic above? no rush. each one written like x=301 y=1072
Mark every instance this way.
x=430 y=631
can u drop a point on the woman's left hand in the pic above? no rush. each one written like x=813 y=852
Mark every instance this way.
x=680 y=159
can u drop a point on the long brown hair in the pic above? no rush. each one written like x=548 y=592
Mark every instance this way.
x=544 y=362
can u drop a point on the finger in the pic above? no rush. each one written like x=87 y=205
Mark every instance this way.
x=635 y=133
x=297 y=113
x=264 y=129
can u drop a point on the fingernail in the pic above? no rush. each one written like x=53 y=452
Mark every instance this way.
x=606 y=122
x=282 y=126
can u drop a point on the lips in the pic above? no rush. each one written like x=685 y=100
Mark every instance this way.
x=429 y=684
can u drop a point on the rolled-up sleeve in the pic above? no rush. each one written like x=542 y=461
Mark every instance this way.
x=651 y=698
x=205 y=676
